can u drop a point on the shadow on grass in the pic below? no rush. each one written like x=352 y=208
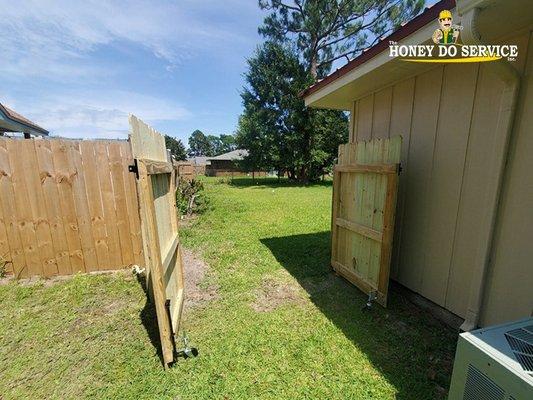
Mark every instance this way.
x=410 y=348
x=149 y=320
x=266 y=183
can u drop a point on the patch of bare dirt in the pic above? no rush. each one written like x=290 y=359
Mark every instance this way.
x=5 y=281
x=53 y=280
x=187 y=220
x=197 y=291
x=89 y=314
x=274 y=293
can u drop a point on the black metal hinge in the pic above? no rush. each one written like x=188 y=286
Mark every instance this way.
x=134 y=168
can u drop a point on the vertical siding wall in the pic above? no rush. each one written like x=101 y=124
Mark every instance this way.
x=67 y=206
x=511 y=275
x=447 y=117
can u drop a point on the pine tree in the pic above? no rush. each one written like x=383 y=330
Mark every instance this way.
x=327 y=30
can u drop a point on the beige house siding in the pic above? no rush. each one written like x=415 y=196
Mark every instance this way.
x=450 y=157
x=511 y=275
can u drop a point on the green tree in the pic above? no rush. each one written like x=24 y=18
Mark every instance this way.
x=276 y=128
x=200 y=145
x=327 y=30
x=215 y=144
x=221 y=144
x=176 y=147
x=252 y=136
x=227 y=143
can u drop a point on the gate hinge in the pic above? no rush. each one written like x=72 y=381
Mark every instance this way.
x=400 y=169
x=134 y=168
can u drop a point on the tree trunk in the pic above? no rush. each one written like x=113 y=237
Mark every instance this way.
x=313 y=62
x=314 y=67
x=304 y=176
x=292 y=174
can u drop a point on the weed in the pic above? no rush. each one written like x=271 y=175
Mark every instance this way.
x=190 y=197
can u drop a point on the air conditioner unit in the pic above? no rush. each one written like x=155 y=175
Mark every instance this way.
x=494 y=363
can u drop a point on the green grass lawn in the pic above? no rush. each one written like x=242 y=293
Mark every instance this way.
x=281 y=326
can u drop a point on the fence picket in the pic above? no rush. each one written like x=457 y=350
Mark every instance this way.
x=59 y=202
x=364 y=201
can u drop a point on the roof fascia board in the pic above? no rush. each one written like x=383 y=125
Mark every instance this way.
x=17 y=126
x=423 y=35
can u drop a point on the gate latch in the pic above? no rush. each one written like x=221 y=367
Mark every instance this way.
x=134 y=168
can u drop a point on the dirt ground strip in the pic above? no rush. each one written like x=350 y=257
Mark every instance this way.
x=37 y=280
x=275 y=292
x=198 y=290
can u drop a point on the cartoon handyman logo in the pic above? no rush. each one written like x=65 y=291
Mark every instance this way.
x=447 y=33
x=448 y=49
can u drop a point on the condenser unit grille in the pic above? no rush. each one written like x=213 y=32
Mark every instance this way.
x=521 y=342
x=479 y=387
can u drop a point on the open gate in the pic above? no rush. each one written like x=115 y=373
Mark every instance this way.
x=364 y=201
x=159 y=226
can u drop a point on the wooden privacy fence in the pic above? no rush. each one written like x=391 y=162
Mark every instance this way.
x=159 y=221
x=185 y=170
x=67 y=206
x=364 y=202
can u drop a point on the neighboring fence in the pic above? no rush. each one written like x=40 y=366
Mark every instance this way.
x=67 y=206
x=199 y=169
x=185 y=170
x=364 y=201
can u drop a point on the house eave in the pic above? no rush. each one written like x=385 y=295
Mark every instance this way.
x=377 y=72
x=10 y=124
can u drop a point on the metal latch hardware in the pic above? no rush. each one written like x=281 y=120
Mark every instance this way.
x=134 y=168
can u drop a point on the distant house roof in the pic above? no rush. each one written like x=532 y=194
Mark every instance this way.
x=12 y=121
x=238 y=154
x=199 y=160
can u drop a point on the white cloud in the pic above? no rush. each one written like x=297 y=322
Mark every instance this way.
x=37 y=36
x=57 y=55
x=101 y=114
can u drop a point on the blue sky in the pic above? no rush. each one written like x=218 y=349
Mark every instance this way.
x=79 y=67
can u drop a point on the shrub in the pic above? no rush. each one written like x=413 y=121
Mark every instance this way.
x=225 y=180
x=190 y=197
x=3 y=267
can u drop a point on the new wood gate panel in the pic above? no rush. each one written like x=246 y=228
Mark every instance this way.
x=159 y=221
x=364 y=201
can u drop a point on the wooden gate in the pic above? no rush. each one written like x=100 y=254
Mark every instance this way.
x=159 y=226
x=364 y=202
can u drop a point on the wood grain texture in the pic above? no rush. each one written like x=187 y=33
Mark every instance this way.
x=364 y=201
x=159 y=227
x=59 y=206
x=15 y=255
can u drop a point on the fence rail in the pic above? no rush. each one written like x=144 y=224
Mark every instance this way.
x=364 y=201
x=67 y=206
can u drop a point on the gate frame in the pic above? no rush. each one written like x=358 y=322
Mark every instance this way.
x=166 y=289
x=384 y=236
